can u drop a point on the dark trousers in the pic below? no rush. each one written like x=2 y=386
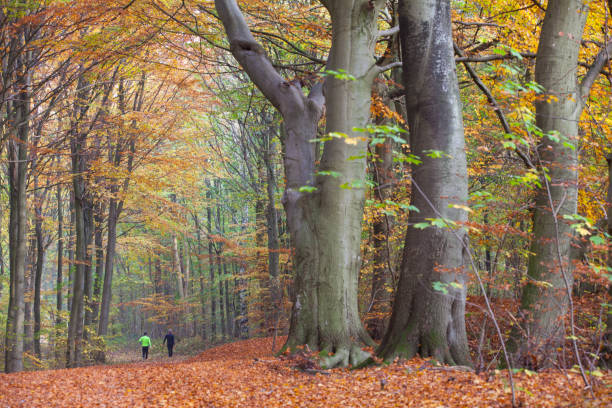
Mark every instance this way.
x=145 y=352
x=170 y=347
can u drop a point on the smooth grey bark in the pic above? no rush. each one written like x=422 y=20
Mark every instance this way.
x=18 y=114
x=425 y=321
x=325 y=225
x=545 y=298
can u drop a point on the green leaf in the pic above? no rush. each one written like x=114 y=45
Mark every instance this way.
x=422 y=225
x=440 y=287
x=307 y=189
x=328 y=173
x=597 y=240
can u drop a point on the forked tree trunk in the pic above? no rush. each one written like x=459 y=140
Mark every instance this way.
x=425 y=321
x=325 y=225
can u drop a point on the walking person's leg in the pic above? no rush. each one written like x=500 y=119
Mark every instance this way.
x=170 y=350
x=144 y=351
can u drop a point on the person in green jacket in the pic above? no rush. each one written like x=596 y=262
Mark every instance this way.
x=145 y=342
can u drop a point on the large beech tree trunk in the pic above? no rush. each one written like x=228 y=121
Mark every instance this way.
x=545 y=298
x=325 y=224
x=426 y=321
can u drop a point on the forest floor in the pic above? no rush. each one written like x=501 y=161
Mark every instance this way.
x=246 y=374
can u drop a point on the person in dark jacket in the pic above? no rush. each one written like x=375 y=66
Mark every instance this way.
x=169 y=340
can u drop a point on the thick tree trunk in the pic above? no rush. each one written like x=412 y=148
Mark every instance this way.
x=424 y=320
x=545 y=299
x=325 y=225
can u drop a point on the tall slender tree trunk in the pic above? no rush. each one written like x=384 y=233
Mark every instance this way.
x=28 y=330
x=111 y=242
x=59 y=282
x=202 y=295
x=99 y=273
x=177 y=267
x=380 y=296
x=89 y=267
x=426 y=321
x=78 y=146
x=19 y=125
x=71 y=245
x=607 y=348
x=272 y=230
x=546 y=296
x=211 y=265
x=40 y=259
x=218 y=253
x=382 y=172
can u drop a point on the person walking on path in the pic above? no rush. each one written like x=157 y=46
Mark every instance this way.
x=169 y=340
x=145 y=342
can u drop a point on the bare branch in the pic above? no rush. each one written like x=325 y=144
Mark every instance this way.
x=253 y=59
x=492 y=101
x=600 y=61
x=493 y=57
x=476 y=23
x=389 y=32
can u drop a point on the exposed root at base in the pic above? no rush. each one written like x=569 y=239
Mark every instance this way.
x=343 y=357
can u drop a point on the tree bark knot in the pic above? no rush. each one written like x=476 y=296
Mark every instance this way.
x=242 y=46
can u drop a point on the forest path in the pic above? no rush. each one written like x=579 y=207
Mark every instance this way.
x=246 y=374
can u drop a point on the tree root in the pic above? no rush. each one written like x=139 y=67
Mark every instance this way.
x=343 y=357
